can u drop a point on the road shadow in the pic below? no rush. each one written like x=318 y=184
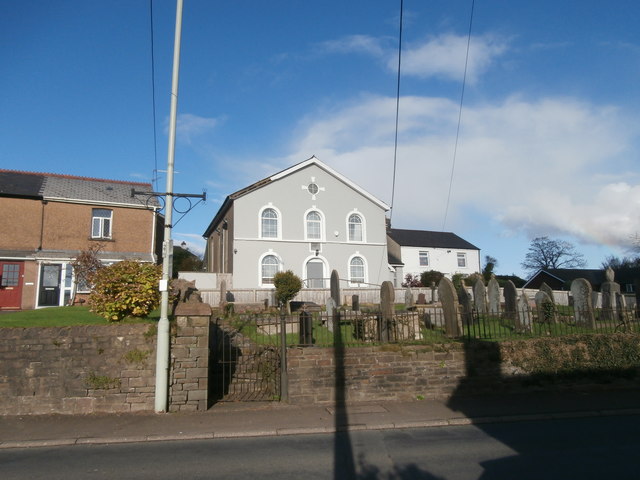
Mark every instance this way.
x=556 y=429
x=345 y=466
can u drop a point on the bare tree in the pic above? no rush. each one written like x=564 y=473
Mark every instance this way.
x=545 y=253
x=84 y=266
x=617 y=263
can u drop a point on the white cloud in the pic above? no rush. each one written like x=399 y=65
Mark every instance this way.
x=356 y=44
x=550 y=166
x=444 y=56
x=440 y=56
x=190 y=126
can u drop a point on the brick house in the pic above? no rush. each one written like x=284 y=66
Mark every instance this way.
x=47 y=219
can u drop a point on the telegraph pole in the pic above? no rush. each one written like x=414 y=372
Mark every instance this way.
x=162 y=348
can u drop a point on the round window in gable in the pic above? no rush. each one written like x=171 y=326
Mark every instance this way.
x=312 y=188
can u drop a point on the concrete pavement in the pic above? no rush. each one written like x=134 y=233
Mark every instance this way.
x=228 y=420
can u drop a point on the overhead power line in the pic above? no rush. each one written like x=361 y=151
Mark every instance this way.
x=153 y=102
x=395 y=144
x=455 y=148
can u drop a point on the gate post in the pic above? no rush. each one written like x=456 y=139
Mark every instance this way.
x=189 y=370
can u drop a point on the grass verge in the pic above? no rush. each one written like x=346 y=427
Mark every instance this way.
x=64 y=317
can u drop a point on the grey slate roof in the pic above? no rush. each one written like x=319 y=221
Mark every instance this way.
x=427 y=238
x=49 y=186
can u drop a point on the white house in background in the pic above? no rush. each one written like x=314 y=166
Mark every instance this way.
x=422 y=250
x=308 y=219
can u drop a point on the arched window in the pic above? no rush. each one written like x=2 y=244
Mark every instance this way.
x=314 y=226
x=355 y=228
x=268 y=268
x=356 y=270
x=269 y=223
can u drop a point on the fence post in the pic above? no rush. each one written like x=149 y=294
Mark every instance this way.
x=284 y=377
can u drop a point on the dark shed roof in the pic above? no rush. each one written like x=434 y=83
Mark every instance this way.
x=426 y=238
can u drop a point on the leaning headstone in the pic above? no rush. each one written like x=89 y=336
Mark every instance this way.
x=548 y=290
x=422 y=299
x=524 y=321
x=408 y=299
x=467 y=306
x=387 y=307
x=355 y=303
x=545 y=308
x=582 y=307
x=609 y=289
x=335 y=287
x=493 y=292
x=510 y=298
x=449 y=300
x=480 y=296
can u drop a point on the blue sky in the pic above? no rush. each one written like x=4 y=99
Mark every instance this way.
x=549 y=134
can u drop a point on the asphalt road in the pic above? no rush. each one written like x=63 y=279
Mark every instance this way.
x=581 y=448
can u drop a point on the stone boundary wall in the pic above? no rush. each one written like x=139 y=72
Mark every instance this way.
x=374 y=373
x=414 y=372
x=77 y=370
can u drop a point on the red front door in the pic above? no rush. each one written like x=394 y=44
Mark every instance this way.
x=11 y=284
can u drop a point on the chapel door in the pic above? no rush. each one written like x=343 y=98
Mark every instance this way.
x=11 y=284
x=49 y=286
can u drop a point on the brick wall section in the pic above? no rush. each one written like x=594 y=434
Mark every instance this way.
x=189 y=382
x=77 y=370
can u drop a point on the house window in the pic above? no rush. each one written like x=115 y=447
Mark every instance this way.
x=462 y=260
x=629 y=288
x=10 y=275
x=356 y=270
x=424 y=259
x=269 y=223
x=314 y=226
x=269 y=267
x=355 y=228
x=101 y=223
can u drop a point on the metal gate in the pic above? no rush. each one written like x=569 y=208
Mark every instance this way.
x=245 y=362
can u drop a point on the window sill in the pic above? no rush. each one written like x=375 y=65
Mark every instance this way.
x=101 y=239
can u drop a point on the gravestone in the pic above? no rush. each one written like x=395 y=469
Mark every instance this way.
x=467 y=306
x=334 y=319
x=306 y=328
x=223 y=292
x=331 y=308
x=387 y=307
x=408 y=299
x=355 y=303
x=549 y=291
x=523 y=319
x=480 y=296
x=449 y=301
x=545 y=308
x=510 y=299
x=609 y=289
x=422 y=299
x=493 y=292
x=335 y=287
x=433 y=292
x=581 y=292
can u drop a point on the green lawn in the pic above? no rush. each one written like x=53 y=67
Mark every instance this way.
x=62 y=317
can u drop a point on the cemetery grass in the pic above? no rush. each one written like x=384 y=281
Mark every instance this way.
x=64 y=317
